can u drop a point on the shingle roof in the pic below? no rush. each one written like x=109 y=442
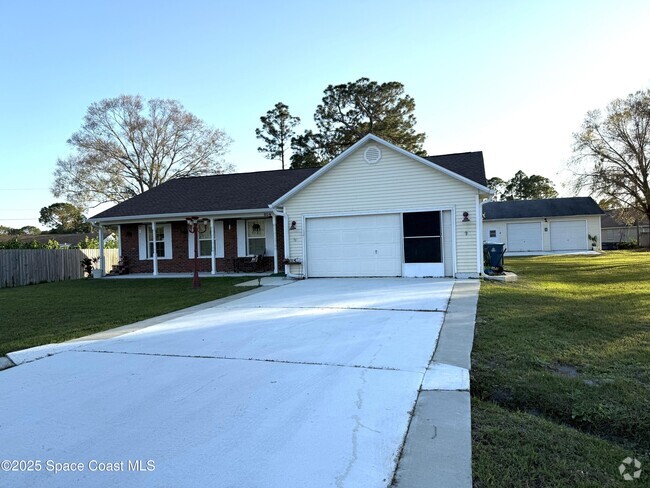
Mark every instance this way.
x=612 y=219
x=235 y=191
x=552 y=207
x=468 y=164
x=242 y=191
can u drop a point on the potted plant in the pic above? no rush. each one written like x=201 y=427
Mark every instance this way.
x=88 y=265
x=594 y=242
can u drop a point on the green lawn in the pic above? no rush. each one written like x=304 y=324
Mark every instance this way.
x=56 y=312
x=561 y=372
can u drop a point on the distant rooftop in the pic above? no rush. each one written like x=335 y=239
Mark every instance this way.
x=550 y=207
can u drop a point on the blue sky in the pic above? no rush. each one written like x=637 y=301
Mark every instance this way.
x=511 y=78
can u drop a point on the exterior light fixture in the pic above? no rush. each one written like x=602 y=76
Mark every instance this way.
x=293 y=225
x=465 y=217
x=196 y=226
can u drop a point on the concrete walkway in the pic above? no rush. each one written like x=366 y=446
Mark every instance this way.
x=438 y=447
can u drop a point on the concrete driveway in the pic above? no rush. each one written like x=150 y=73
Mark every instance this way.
x=309 y=384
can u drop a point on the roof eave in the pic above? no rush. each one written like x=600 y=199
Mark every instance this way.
x=544 y=217
x=178 y=215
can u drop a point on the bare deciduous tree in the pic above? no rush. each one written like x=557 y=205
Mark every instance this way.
x=126 y=146
x=612 y=152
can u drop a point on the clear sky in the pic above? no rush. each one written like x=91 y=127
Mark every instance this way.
x=511 y=78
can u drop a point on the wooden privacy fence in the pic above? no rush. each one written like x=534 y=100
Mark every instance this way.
x=20 y=267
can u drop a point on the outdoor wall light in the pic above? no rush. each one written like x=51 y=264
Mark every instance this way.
x=465 y=217
x=293 y=225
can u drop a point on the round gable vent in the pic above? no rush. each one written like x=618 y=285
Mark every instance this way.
x=372 y=154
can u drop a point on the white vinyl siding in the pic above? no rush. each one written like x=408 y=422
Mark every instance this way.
x=396 y=183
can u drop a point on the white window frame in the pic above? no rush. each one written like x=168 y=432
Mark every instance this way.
x=218 y=242
x=144 y=241
x=152 y=239
x=262 y=235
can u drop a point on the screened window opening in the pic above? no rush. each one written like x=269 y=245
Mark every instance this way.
x=422 y=237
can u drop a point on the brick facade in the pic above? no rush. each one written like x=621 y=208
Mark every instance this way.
x=181 y=262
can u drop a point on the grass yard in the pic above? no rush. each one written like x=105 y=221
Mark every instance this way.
x=55 y=312
x=561 y=372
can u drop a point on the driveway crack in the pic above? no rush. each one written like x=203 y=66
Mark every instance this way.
x=232 y=358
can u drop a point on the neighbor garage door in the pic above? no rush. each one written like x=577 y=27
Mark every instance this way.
x=570 y=235
x=524 y=237
x=361 y=245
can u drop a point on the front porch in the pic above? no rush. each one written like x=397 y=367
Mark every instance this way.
x=248 y=244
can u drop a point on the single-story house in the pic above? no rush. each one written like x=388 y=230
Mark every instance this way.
x=617 y=231
x=375 y=210
x=554 y=224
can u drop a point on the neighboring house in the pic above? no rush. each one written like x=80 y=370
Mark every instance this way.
x=554 y=224
x=64 y=240
x=616 y=231
x=375 y=210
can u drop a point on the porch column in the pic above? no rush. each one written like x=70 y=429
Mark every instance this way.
x=287 y=252
x=119 y=241
x=102 y=261
x=213 y=256
x=155 y=250
x=275 y=245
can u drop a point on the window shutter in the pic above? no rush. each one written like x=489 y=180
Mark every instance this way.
x=241 y=238
x=219 y=237
x=190 y=245
x=142 y=241
x=270 y=247
x=167 y=229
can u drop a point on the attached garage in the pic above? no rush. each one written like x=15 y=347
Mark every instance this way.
x=359 y=245
x=569 y=235
x=379 y=211
x=525 y=237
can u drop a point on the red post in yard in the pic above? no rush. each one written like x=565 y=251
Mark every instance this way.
x=193 y=226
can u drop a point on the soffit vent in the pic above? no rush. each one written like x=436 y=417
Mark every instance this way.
x=372 y=154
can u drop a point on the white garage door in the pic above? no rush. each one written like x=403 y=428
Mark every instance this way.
x=570 y=235
x=524 y=237
x=363 y=245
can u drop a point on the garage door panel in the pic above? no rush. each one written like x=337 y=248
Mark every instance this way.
x=569 y=235
x=524 y=237
x=364 y=245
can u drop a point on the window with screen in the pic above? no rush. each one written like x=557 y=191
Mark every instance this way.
x=422 y=237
